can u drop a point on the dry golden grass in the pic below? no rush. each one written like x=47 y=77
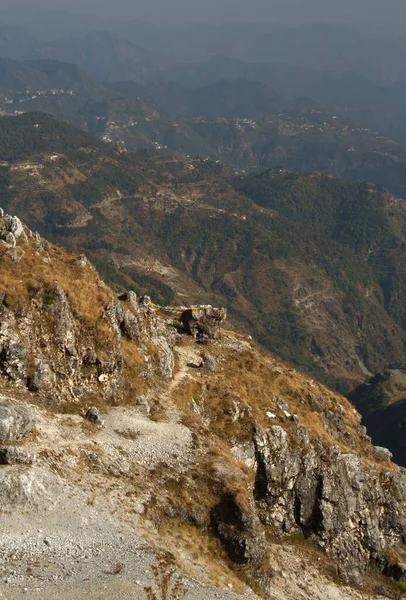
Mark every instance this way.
x=248 y=385
x=205 y=551
x=86 y=297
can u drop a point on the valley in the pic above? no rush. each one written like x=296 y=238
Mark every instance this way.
x=182 y=227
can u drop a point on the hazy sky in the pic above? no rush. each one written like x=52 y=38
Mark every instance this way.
x=217 y=11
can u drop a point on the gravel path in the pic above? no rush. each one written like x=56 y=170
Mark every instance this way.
x=74 y=551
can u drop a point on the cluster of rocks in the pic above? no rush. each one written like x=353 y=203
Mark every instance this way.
x=203 y=322
x=11 y=230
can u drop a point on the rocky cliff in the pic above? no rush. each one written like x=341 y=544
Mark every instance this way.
x=124 y=435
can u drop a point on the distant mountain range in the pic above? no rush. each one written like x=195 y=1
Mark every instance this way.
x=240 y=122
x=334 y=67
x=105 y=56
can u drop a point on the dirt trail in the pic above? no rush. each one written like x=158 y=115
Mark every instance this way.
x=186 y=355
x=301 y=300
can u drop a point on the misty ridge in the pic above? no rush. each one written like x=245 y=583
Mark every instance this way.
x=310 y=94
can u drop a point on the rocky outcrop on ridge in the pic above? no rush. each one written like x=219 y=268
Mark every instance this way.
x=45 y=345
x=354 y=511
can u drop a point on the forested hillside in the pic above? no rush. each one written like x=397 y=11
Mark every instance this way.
x=311 y=265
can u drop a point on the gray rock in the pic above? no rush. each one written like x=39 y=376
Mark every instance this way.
x=32 y=487
x=209 y=362
x=16 y=227
x=128 y=322
x=42 y=378
x=14 y=254
x=354 y=576
x=382 y=453
x=64 y=322
x=79 y=261
x=16 y=420
x=10 y=239
x=93 y=415
x=130 y=297
x=12 y=455
x=13 y=353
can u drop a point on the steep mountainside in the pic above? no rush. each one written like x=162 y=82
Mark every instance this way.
x=134 y=448
x=311 y=265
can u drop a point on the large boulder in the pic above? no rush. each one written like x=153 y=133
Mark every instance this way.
x=16 y=420
x=34 y=487
x=203 y=320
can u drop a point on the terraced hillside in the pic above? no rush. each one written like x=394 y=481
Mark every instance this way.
x=242 y=123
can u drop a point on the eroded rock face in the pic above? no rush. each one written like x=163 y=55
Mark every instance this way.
x=11 y=230
x=13 y=353
x=16 y=420
x=239 y=531
x=139 y=322
x=348 y=508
